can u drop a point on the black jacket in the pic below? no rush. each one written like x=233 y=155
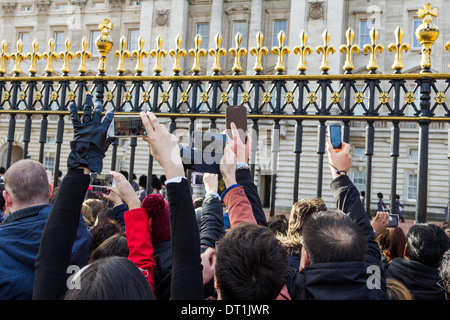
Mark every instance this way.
x=343 y=280
x=420 y=279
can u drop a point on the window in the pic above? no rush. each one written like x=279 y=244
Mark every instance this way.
x=415 y=42
x=203 y=30
x=49 y=163
x=61 y=6
x=242 y=28
x=133 y=36
x=412 y=187
x=278 y=25
x=92 y=46
x=413 y=153
x=99 y=5
x=364 y=32
x=59 y=41
x=360 y=151
x=26 y=8
x=50 y=139
x=135 y=3
x=25 y=37
x=359 y=180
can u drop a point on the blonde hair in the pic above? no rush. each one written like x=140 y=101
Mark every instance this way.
x=397 y=290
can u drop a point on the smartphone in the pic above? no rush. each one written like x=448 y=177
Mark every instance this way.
x=393 y=221
x=99 y=182
x=126 y=126
x=238 y=115
x=197 y=179
x=334 y=134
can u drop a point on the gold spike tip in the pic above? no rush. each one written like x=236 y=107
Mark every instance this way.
x=121 y=55
x=159 y=53
x=373 y=48
x=140 y=54
x=216 y=53
x=259 y=51
x=398 y=47
x=83 y=55
x=177 y=54
x=302 y=50
x=237 y=52
x=4 y=56
x=325 y=50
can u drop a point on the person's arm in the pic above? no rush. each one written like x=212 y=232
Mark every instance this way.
x=243 y=175
x=239 y=208
x=187 y=282
x=87 y=152
x=137 y=225
x=347 y=199
x=211 y=224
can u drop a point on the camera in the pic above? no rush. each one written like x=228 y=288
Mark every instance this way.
x=100 y=182
x=393 y=221
x=334 y=134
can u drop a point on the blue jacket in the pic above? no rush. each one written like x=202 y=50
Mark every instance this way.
x=19 y=245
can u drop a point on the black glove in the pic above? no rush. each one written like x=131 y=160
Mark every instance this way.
x=89 y=137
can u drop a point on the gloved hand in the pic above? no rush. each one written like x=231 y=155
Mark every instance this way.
x=89 y=137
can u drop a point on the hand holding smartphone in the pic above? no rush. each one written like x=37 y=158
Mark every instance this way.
x=124 y=126
x=237 y=115
x=100 y=182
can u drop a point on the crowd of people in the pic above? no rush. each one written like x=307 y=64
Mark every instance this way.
x=55 y=244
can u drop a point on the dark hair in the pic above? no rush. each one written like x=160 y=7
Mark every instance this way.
x=392 y=243
x=380 y=195
x=363 y=193
x=198 y=202
x=427 y=243
x=278 y=224
x=124 y=173
x=251 y=264
x=156 y=183
x=444 y=271
x=446 y=227
x=331 y=236
x=112 y=278
x=104 y=229
x=116 y=245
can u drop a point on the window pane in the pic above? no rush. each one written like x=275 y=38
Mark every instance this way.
x=412 y=187
x=359 y=151
x=242 y=28
x=364 y=32
x=133 y=36
x=59 y=41
x=25 y=37
x=415 y=42
x=359 y=180
x=203 y=30
x=92 y=46
x=49 y=163
x=278 y=25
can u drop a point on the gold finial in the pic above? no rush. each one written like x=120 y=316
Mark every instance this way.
x=427 y=34
x=259 y=50
x=140 y=54
x=177 y=53
x=18 y=57
x=303 y=50
x=217 y=52
x=197 y=53
x=83 y=55
x=237 y=52
x=280 y=50
x=325 y=49
x=158 y=54
x=34 y=56
x=372 y=48
x=397 y=47
x=349 y=50
x=447 y=48
x=50 y=55
x=4 y=57
x=122 y=54
x=66 y=55
x=104 y=43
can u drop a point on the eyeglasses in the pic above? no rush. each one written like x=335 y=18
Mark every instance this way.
x=441 y=286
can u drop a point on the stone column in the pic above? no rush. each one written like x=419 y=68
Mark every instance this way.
x=147 y=11
x=297 y=22
x=177 y=25
x=335 y=24
x=254 y=28
x=215 y=26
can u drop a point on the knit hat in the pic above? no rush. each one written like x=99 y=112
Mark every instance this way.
x=158 y=210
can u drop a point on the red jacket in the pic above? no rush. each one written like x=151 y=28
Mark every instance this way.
x=138 y=233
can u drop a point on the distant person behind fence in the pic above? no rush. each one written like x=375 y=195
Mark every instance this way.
x=27 y=193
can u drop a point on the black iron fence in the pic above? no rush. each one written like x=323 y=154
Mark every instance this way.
x=356 y=100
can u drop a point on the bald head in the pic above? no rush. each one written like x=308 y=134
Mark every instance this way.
x=26 y=181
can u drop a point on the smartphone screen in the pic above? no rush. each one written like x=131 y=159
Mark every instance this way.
x=127 y=126
x=209 y=141
x=197 y=179
x=99 y=182
x=237 y=115
x=335 y=136
x=393 y=221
